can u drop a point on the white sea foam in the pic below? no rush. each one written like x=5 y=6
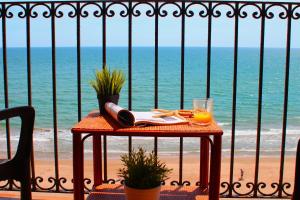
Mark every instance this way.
x=43 y=135
x=245 y=142
x=224 y=123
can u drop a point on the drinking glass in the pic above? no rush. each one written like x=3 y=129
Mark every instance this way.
x=203 y=110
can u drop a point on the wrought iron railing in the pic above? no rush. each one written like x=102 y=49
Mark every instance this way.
x=210 y=10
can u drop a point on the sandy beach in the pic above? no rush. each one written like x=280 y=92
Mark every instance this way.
x=269 y=170
x=269 y=173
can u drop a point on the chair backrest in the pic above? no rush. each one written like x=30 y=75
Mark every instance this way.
x=27 y=114
x=296 y=195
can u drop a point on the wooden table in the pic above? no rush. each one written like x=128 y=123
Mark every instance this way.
x=96 y=126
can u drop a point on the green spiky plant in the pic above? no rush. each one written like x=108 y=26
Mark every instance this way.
x=107 y=83
x=142 y=170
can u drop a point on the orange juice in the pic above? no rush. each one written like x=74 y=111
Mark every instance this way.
x=203 y=117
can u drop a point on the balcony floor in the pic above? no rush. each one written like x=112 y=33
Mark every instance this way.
x=5 y=195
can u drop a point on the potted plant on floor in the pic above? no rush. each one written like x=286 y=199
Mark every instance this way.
x=108 y=86
x=142 y=174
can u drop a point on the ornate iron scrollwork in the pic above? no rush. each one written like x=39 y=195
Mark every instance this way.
x=230 y=13
x=150 y=12
x=111 y=181
x=163 y=12
x=62 y=181
x=5 y=185
x=252 y=187
x=227 y=187
x=255 y=14
x=263 y=185
x=123 y=12
x=40 y=179
x=204 y=9
x=294 y=13
x=60 y=13
x=21 y=14
x=282 y=15
x=284 y=187
x=87 y=184
x=98 y=12
x=184 y=183
x=45 y=14
x=237 y=185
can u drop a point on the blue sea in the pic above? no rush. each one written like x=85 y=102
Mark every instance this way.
x=168 y=89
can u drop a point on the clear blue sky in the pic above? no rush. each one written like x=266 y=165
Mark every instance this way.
x=143 y=31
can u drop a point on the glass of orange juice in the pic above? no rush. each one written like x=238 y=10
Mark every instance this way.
x=203 y=111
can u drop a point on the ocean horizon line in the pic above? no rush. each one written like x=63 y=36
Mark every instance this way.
x=204 y=47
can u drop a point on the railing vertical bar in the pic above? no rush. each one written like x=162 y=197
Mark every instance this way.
x=204 y=147
x=260 y=88
x=182 y=85
x=156 y=58
x=156 y=68
x=104 y=34
x=53 y=47
x=236 y=32
x=182 y=56
x=28 y=48
x=105 y=158
x=129 y=65
x=104 y=63
x=4 y=49
x=286 y=95
x=78 y=60
x=28 y=45
x=208 y=50
x=180 y=160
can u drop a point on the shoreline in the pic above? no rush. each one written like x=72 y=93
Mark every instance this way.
x=65 y=156
x=245 y=143
x=116 y=156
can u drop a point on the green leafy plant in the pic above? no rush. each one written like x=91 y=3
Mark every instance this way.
x=142 y=170
x=108 y=83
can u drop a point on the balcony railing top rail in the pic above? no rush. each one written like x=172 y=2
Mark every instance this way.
x=145 y=1
x=208 y=9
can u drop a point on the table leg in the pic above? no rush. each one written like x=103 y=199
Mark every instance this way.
x=78 y=167
x=215 y=168
x=97 y=159
x=204 y=163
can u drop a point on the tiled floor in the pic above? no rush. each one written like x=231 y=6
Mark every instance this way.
x=56 y=196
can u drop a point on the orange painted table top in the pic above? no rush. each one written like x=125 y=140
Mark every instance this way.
x=105 y=125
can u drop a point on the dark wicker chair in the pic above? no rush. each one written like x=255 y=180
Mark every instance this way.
x=18 y=168
x=296 y=195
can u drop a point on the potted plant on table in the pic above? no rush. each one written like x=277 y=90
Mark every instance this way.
x=108 y=86
x=142 y=174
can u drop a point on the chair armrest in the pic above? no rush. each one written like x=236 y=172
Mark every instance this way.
x=23 y=112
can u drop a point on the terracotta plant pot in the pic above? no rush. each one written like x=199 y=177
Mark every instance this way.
x=102 y=100
x=142 y=194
